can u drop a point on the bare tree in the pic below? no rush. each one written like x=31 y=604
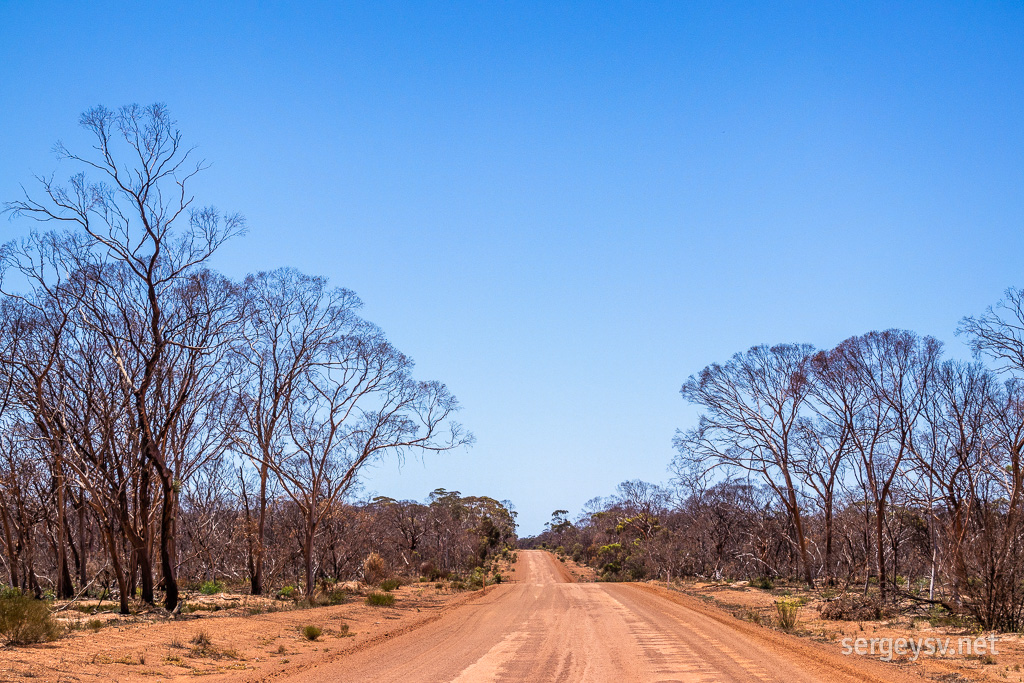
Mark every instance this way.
x=998 y=333
x=144 y=238
x=290 y=321
x=357 y=402
x=752 y=406
x=879 y=384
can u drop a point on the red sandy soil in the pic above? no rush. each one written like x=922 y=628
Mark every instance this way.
x=549 y=623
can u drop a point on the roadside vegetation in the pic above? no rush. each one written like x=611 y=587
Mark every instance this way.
x=882 y=478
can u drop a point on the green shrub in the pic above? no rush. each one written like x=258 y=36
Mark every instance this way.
x=497 y=578
x=199 y=607
x=94 y=624
x=380 y=599
x=336 y=597
x=286 y=593
x=787 y=610
x=311 y=632
x=390 y=584
x=940 y=616
x=24 y=620
x=763 y=582
x=211 y=587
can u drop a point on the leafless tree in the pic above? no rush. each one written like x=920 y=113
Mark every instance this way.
x=143 y=239
x=356 y=403
x=752 y=406
x=290 y=321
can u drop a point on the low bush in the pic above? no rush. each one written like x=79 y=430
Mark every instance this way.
x=202 y=639
x=852 y=608
x=374 y=569
x=390 y=584
x=336 y=597
x=211 y=587
x=311 y=632
x=24 y=620
x=763 y=582
x=191 y=607
x=940 y=616
x=202 y=645
x=787 y=611
x=380 y=599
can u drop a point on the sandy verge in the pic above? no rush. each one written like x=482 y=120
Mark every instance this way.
x=751 y=604
x=240 y=647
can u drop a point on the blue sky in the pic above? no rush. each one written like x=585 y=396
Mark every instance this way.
x=564 y=209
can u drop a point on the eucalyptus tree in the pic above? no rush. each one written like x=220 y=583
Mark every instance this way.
x=141 y=239
x=751 y=415
x=877 y=387
x=996 y=549
x=360 y=403
x=289 y=323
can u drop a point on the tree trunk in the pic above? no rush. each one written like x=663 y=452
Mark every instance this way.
x=144 y=549
x=83 y=569
x=64 y=587
x=257 y=576
x=805 y=557
x=829 y=577
x=12 y=554
x=879 y=531
x=167 y=515
x=115 y=562
x=307 y=552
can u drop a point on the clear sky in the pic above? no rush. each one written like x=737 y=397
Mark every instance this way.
x=562 y=210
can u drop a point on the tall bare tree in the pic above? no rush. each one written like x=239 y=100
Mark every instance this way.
x=359 y=404
x=752 y=406
x=290 y=321
x=143 y=238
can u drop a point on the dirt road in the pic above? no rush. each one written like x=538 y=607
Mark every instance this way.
x=545 y=628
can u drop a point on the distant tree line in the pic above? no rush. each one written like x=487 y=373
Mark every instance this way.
x=876 y=464
x=162 y=422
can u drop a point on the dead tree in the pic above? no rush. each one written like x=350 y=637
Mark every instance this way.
x=752 y=406
x=144 y=239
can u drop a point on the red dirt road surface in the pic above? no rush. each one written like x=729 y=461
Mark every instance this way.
x=546 y=628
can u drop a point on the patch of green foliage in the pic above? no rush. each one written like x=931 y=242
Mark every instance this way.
x=25 y=620
x=380 y=599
